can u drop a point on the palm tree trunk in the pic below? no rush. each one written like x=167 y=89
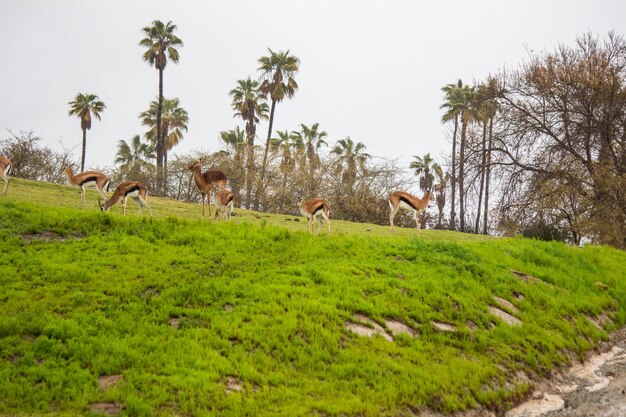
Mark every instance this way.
x=487 y=175
x=453 y=179
x=82 y=159
x=265 y=153
x=482 y=177
x=164 y=172
x=462 y=174
x=159 y=147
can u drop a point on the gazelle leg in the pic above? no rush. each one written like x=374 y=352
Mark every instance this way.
x=417 y=219
x=203 y=197
x=6 y=183
x=138 y=201
x=391 y=217
x=124 y=206
x=82 y=195
x=144 y=202
x=327 y=221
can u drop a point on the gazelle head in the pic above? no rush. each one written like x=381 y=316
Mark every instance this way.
x=195 y=165
x=103 y=205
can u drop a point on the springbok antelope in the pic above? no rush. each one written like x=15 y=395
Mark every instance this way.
x=405 y=201
x=95 y=179
x=206 y=182
x=224 y=201
x=5 y=170
x=133 y=189
x=315 y=207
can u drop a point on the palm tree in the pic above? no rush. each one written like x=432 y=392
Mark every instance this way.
x=313 y=140
x=174 y=120
x=422 y=167
x=249 y=104
x=291 y=149
x=277 y=75
x=133 y=157
x=235 y=140
x=440 y=191
x=160 y=43
x=452 y=105
x=491 y=109
x=458 y=102
x=351 y=158
x=83 y=106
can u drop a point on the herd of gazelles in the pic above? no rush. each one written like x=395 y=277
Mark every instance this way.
x=213 y=183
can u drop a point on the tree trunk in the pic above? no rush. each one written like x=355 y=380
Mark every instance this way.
x=250 y=131
x=453 y=179
x=462 y=174
x=82 y=159
x=164 y=173
x=260 y=185
x=487 y=175
x=159 y=145
x=482 y=178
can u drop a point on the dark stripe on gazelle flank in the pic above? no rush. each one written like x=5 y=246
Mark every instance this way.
x=133 y=189
x=408 y=202
x=318 y=208
x=89 y=179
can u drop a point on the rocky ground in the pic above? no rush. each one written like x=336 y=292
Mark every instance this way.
x=596 y=388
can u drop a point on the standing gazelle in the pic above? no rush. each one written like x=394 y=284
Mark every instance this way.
x=405 y=201
x=5 y=170
x=224 y=201
x=95 y=179
x=133 y=189
x=315 y=207
x=206 y=182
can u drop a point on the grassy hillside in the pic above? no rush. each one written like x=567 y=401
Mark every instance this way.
x=177 y=316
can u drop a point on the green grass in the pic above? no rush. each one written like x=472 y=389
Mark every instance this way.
x=262 y=302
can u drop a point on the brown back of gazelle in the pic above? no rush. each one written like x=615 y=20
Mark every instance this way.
x=133 y=189
x=405 y=201
x=313 y=208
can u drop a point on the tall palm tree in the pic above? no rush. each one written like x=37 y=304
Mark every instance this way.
x=174 y=120
x=277 y=74
x=491 y=109
x=160 y=43
x=453 y=104
x=133 y=156
x=313 y=140
x=84 y=106
x=351 y=158
x=440 y=191
x=249 y=103
x=458 y=102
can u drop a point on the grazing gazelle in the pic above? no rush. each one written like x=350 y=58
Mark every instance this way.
x=315 y=207
x=206 y=182
x=401 y=200
x=133 y=189
x=95 y=179
x=224 y=201
x=5 y=170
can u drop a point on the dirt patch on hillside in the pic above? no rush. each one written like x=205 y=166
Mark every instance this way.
x=108 y=409
x=50 y=237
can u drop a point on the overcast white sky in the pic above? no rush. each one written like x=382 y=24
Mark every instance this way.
x=371 y=70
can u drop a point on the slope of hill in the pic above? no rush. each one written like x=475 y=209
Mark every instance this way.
x=177 y=316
